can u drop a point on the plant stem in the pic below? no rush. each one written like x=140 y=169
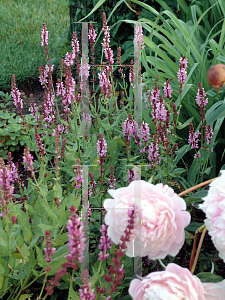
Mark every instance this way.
x=193 y=250
x=198 y=250
x=196 y=187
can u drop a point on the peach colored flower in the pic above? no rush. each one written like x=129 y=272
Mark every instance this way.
x=173 y=283
x=214 y=208
x=159 y=221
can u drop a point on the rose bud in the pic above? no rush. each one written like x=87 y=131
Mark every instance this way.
x=216 y=76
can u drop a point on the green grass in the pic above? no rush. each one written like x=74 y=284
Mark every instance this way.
x=20 y=36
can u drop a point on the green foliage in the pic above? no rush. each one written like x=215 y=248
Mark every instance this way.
x=22 y=257
x=13 y=134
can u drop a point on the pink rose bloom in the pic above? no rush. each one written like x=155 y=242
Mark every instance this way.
x=175 y=283
x=214 y=208
x=214 y=290
x=160 y=218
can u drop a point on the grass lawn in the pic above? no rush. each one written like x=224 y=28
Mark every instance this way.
x=20 y=36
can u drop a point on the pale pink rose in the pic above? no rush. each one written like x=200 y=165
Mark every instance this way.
x=214 y=291
x=214 y=208
x=160 y=218
x=174 y=283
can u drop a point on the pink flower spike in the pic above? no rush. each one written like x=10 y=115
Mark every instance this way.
x=182 y=74
x=138 y=39
x=16 y=94
x=44 y=35
x=167 y=89
x=200 y=98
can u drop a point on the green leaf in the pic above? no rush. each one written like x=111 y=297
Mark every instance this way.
x=217 y=114
x=188 y=237
x=209 y=277
x=193 y=226
x=58 y=189
x=72 y=200
x=40 y=257
x=49 y=211
x=72 y=294
x=45 y=227
x=100 y=2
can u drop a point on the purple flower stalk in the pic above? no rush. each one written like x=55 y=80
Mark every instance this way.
x=128 y=127
x=108 y=51
x=112 y=179
x=13 y=169
x=63 y=148
x=76 y=239
x=16 y=95
x=201 y=94
x=209 y=134
x=86 y=118
x=34 y=109
x=167 y=89
x=49 y=250
x=132 y=175
x=39 y=143
x=78 y=172
x=104 y=81
x=101 y=147
x=92 y=184
x=119 y=62
x=28 y=160
x=44 y=40
x=84 y=71
x=101 y=152
x=131 y=74
x=85 y=293
x=105 y=243
x=6 y=190
x=44 y=35
x=182 y=74
x=76 y=247
x=193 y=137
x=153 y=154
x=138 y=39
x=69 y=59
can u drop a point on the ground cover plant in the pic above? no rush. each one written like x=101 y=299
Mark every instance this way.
x=97 y=161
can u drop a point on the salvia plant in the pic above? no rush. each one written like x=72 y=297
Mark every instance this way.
x=62 y=236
